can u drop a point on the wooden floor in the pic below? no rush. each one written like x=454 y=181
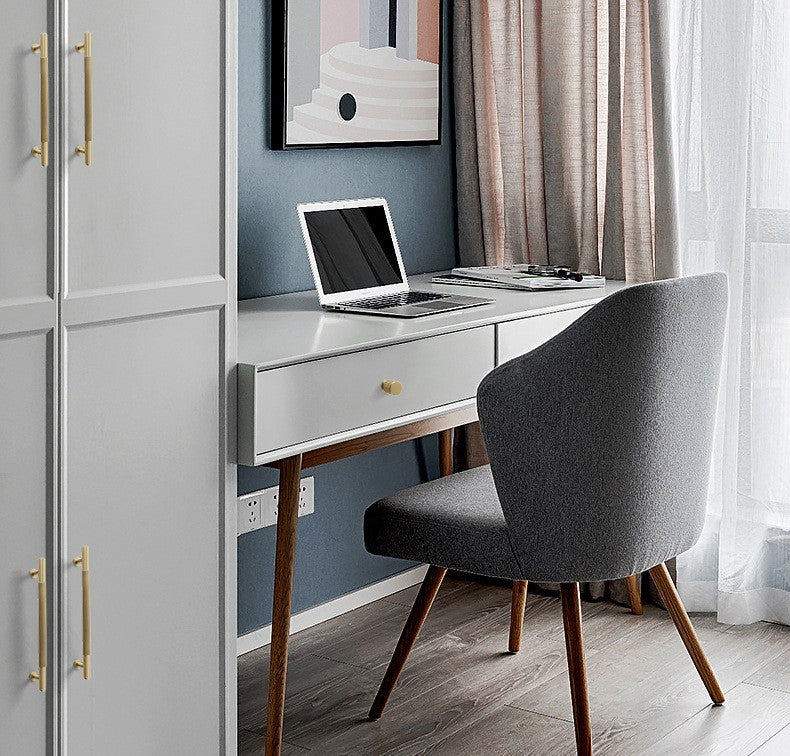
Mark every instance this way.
x=460 y=693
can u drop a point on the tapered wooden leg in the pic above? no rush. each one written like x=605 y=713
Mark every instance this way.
x=669 y=595
x=577 y=672
x=422 y=605
x=446 y=452
x=518 y=603
x=287 y=514
x=634 y=595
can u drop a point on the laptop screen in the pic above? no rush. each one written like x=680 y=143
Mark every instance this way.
x=353 y=248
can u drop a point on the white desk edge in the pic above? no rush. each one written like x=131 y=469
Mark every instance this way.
x=290 y=328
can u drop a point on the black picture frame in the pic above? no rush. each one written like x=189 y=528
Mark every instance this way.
x=279 y=89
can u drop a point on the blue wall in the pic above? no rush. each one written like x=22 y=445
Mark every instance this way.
x=418 y=183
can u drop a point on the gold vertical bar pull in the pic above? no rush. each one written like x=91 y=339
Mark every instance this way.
x=42 y=150
x=40 y=576
x=85 y=663
x=86 y=149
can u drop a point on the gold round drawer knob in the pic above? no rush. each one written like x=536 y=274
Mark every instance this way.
x=391 y=387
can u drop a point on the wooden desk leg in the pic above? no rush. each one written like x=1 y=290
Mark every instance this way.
x=446 y=452
x=287 y=515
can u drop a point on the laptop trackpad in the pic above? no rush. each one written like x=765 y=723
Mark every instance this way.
x=436 y=305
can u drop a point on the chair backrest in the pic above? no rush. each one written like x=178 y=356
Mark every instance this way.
x=600 y=439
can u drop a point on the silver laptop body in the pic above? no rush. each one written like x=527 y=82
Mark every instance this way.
x=357 y=264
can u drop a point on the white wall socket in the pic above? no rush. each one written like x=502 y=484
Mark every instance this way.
x=259 y=509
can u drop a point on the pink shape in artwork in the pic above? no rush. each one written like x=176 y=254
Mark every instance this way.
x=339 y=23
x=428 y=30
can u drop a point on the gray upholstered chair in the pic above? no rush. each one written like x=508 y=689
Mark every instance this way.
x=600 y=444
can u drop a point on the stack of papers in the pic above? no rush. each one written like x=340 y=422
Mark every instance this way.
x=515 y=277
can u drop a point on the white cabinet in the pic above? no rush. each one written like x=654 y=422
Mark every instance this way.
x=117 y=341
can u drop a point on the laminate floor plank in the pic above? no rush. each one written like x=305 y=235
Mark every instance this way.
x=604 y=623
x=451 y=583
x=252 y=744
x=775 y=673
x=371 y=647
x=645 y=685
x=751 y=717
x=506 y=731
x=778 y=745
x=426 y=713
x=305 y=672
x=462 y=693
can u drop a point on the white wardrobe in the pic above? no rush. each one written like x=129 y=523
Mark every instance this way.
x=117 y=351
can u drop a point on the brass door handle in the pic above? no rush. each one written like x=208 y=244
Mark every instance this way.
x=40 y=575
x=86 y=48
x=85 y=663
x=42 y=150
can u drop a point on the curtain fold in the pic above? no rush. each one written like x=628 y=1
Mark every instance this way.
x=559 y=109
x=731 y=82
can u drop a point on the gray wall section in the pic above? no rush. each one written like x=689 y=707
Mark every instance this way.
x=374 y=23
x=304 y=52
x=418 y=182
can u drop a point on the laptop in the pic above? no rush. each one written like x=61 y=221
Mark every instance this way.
x=357 y=264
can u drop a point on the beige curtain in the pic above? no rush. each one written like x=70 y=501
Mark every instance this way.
x=561 y=137
x=563 y=149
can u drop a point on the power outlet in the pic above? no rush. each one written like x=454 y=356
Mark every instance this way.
x=249 y=513
x=259 y=509
x=270 y=500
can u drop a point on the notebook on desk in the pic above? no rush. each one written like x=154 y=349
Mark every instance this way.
x=357 y=264
x=521 y=276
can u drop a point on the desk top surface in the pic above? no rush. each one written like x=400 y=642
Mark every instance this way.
x=289 y=328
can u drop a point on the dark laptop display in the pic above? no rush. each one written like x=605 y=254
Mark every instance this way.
x=353 y=248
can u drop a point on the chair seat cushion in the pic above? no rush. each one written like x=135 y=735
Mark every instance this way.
x=453 y=522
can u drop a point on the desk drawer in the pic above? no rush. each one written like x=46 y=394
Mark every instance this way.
x=311 y=400
x=520 y=336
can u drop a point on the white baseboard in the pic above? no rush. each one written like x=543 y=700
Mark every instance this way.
x=334 y=608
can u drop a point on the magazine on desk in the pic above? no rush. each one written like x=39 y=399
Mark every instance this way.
x=526 y=277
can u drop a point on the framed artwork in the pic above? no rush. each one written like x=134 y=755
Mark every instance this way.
x=353 y=73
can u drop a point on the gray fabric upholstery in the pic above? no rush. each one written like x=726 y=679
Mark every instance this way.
x=600 y=439
x=600 y=444
x=450 y=522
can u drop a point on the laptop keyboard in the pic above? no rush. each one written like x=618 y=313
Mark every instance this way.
x=395 y=300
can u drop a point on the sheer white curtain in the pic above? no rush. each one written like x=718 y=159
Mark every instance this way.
x=730 y=85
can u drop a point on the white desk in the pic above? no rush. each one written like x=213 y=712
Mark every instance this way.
x=310 y=392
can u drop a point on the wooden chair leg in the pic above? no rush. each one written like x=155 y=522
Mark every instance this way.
x=422 y=605
x=518 y=603
x=669 y=595
x=634 y=595
x=577 y=672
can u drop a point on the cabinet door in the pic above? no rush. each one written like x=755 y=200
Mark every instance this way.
x=27 y=321
x=142 y=487
x=145 y=211
x=24 y=198
x=25 y=493
x=144 y=319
